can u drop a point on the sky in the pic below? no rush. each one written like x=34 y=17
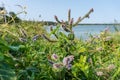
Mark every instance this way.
x=105 y=11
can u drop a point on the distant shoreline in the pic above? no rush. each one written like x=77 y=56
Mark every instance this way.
x=54 y=23
x=99 y=24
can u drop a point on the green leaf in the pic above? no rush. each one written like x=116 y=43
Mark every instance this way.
x=71 y=36
x=6 y=73
x=1 y=57
x=3 y=45
x=55 y=30
x=16 y=48
x=116 y=73
x=82 y=49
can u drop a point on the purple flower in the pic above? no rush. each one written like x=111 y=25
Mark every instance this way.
x=54 y=57
x=99 y=49
x=35 y=37
x=108 y=38
x=111 y=67
x=90 y=60
x=23 y=39
x=96 y=37
x=57 y=65
x=67 y=60
x=99 y=73
x=71 y=57
x=69 y=66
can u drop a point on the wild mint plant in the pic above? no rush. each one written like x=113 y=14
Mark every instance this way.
x=67 y=26
x=64 y=44
x=65 y=41
x=25 y=55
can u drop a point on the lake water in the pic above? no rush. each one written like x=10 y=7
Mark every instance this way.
x=83 y=31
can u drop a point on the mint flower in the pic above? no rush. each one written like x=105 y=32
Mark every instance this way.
x=57 y=65
x=54 y=57
x=67 y=60
x=99 y=73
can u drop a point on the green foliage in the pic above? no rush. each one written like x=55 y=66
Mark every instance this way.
x=27 y=52
x=6 y=64
x=80 y=69
x=6 y=73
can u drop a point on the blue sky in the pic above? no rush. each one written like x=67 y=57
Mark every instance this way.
x=105 y=11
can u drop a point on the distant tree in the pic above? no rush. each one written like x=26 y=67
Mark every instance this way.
x=14 y=18
x=3 y=13
x=8 y=18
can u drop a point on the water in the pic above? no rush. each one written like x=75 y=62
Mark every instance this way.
x=84 y=31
